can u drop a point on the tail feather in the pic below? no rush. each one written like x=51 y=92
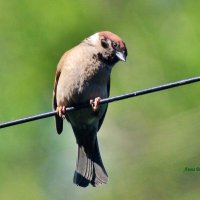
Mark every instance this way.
x=89 y=168
x=100 y=177
x=84 y=169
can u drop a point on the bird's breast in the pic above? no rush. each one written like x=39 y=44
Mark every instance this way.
x=82 y=79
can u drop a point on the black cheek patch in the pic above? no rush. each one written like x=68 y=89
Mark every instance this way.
x=104 y=44
x=110 y=60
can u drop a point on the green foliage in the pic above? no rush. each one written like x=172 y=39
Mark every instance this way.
x=146 y=142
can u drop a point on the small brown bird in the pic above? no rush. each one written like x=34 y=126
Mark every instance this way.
x=83 y=76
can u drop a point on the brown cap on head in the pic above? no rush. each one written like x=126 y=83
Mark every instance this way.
x=114 y=49
x=117 y=43
x=113 y=37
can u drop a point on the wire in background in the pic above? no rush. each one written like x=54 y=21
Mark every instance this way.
x=106 y=100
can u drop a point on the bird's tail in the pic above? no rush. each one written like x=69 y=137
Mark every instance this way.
x=89 y=167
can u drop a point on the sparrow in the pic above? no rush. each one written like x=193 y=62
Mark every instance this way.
x=83 y=76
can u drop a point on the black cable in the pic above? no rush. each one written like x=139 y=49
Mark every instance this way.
x=106 y=100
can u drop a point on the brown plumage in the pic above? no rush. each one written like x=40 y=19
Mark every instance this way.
x=82 y=76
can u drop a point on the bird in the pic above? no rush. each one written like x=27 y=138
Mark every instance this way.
x=83 y=76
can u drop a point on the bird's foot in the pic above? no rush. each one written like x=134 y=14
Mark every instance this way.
x=61 y=110
x=95 y=103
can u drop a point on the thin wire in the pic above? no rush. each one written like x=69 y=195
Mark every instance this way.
x=106 y=100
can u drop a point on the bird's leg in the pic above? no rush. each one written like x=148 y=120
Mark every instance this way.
x=61 y=110
x=95 y=103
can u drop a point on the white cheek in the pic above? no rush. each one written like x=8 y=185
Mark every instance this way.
x=94 y=38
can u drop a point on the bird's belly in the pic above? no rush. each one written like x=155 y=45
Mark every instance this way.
x=86 y=116
x=91 y=91
x=70 y=93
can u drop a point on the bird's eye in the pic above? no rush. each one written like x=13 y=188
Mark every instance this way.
x=104 y=43
x=114 y=44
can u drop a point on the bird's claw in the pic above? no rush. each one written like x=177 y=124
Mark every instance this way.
x=95 y=103
x=61 y=110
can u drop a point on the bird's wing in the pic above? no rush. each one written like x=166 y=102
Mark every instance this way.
x=102 y=118
x=59 y=120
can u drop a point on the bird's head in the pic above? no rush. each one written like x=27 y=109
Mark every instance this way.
x=111 y=47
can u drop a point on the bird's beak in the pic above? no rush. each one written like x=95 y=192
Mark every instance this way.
x=121 y=55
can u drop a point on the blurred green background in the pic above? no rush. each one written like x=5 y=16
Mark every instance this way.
x=146 y=142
